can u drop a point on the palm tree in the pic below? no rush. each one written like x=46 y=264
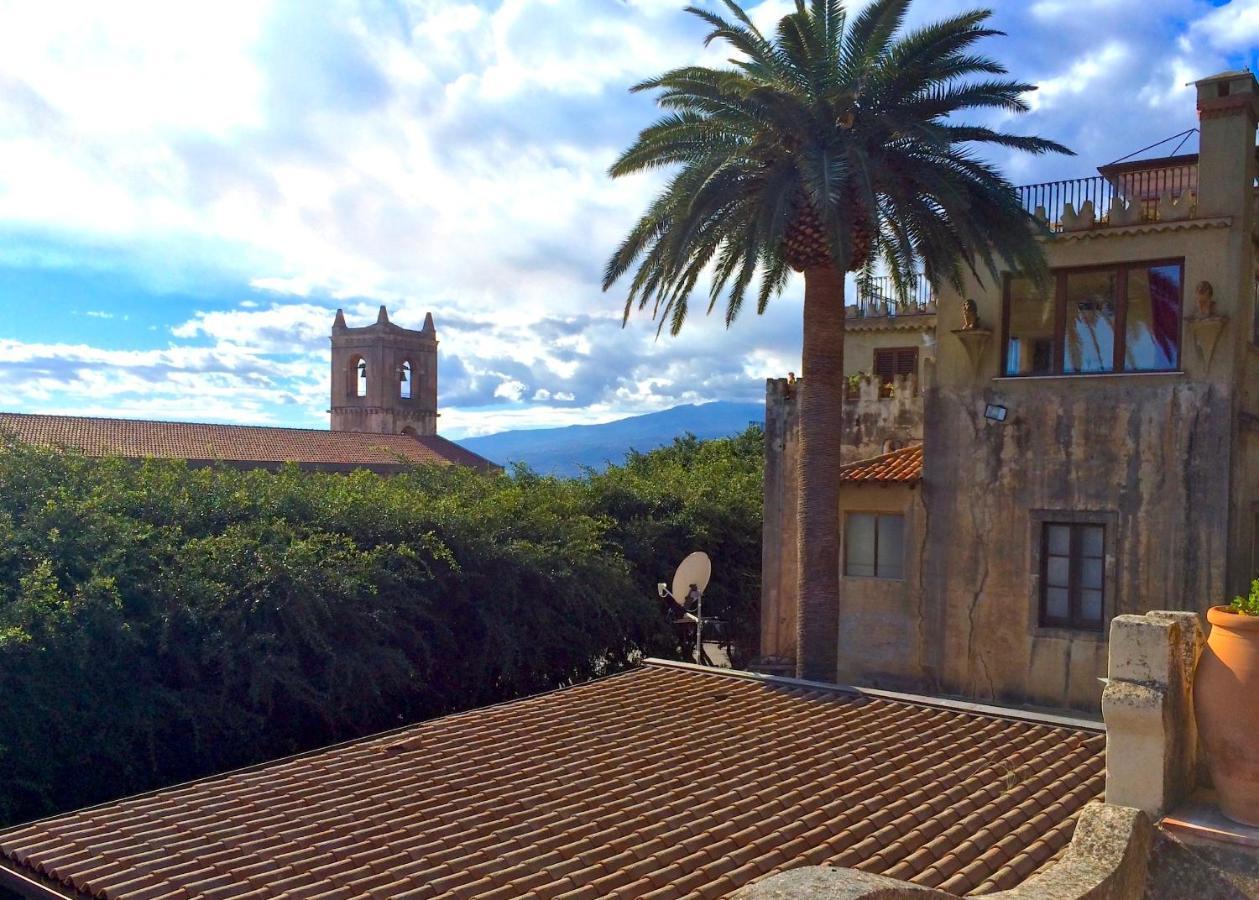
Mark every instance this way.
x=830 y=148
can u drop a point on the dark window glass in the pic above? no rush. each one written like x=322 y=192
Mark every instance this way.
x=874 y=545
x=1073 y=576
x=1090 y=329
x=859 y=538
x=1030 y=343
x=1152 y=330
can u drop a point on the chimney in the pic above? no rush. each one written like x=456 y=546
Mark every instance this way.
x=1228 y=108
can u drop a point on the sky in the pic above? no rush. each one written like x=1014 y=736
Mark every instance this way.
x=189 y=191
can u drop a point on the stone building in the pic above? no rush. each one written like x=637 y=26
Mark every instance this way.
x=1090 y=446
x=384 y=417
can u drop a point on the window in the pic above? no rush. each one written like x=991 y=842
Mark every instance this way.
x=1073 y=575
x=1123 y=318
x=893 y=362
x=874 y=545
x=404 y=380
x=1030 y=342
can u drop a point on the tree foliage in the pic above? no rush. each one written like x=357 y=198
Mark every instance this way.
x=160 y=622
x=834 y=140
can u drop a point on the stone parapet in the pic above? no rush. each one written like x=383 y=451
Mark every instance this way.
x=1151 y=742
x=831 y=883
x=1108 y=859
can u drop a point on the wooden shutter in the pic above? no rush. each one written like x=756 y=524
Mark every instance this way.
x=889 y=362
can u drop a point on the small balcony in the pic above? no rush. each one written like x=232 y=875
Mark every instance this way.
x=877 y=298
x=1129 y=193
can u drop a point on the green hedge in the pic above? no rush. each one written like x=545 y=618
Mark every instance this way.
x=158 y=623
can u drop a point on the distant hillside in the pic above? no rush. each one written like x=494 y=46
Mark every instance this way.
x=563 y=451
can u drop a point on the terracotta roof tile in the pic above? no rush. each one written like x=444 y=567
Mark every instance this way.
x=250 y=444
x=636 y=785
x=902 y=466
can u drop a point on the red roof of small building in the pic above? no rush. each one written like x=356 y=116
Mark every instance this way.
x=250 y=444
x=667 y=781
x=900 y=466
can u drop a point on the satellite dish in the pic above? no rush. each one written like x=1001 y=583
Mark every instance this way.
x=696 y=569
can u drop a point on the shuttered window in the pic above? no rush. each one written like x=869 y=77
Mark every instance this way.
x=874 y=545
x=891 y=362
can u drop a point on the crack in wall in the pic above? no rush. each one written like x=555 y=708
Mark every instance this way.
x=979 y=527
x=1187 y=480
x=925 y=670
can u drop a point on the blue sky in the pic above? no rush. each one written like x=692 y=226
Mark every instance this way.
x=189 y=191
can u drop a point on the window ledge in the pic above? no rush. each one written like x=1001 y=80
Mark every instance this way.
x=1069 y=634
x=1173 y=373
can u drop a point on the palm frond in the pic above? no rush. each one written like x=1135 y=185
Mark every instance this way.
x=844 y=120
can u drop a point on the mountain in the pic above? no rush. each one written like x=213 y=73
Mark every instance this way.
x=563 y=451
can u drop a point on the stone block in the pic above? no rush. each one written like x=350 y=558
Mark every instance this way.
x=1142 y=649
x=1137 y=743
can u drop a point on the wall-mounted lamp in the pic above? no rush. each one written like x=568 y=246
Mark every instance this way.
x=995 y=413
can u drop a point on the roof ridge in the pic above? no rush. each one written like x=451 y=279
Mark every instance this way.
x=1003 y=712
x=882 y=456
x=205 y=424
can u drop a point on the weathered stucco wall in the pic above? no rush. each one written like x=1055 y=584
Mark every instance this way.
x=882 y=622
x=872 y=422
x=1146 y=456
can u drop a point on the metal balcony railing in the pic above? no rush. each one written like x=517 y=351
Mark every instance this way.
x=1124 y=194
x=878 y=297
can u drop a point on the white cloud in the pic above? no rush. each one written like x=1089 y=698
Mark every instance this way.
x=1232 y=27
x=221 y=383
x=280 y=328
x=510 y=390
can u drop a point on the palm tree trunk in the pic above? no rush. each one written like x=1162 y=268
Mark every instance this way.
x=821 y=436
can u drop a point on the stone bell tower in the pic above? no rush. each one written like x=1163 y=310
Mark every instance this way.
x=384 y=378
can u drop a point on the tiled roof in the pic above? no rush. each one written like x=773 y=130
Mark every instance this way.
x=235 y=443
x=666 y=781
x=899 y=466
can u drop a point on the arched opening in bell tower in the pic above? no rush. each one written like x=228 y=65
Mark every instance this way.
x=406 y=379
x=357 y=377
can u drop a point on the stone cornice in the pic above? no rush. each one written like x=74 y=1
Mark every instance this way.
x=920 y=322
x=1106 y=231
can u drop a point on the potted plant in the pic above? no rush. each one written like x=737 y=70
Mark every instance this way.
x=1226 y=702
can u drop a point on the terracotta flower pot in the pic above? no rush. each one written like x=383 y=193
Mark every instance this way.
x=1226 y=702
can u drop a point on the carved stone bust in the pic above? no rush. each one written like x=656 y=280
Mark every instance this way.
x=1206 y=299
x=970 y=315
